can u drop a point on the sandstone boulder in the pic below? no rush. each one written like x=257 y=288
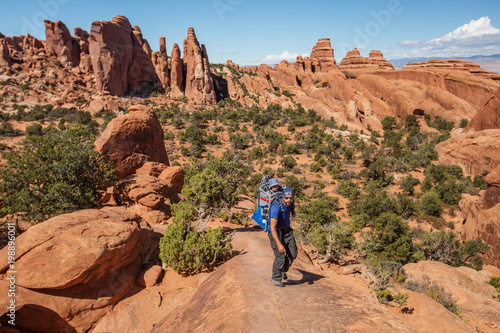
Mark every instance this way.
x=153 y=169
x=174 y=175
x=146 y=190
x=74 y=267
x=149 y=276
x=132 y=140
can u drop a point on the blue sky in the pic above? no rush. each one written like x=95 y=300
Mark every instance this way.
x=251 y=32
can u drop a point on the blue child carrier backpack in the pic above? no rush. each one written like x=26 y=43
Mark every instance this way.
x=264 y=201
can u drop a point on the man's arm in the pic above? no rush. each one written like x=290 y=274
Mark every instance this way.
x=274 y=233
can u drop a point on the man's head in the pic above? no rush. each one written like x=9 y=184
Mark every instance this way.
x=274 y=184
x=287 y=196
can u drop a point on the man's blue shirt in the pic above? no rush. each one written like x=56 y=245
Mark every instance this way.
x=283 y=214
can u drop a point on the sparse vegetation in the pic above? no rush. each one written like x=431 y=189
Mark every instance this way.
x=52 y=174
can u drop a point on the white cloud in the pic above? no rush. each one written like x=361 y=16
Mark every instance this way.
x=291 y=57
x=411 y=43
x=478 y=37
x=475 y=28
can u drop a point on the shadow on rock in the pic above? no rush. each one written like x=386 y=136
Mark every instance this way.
x=307 y=277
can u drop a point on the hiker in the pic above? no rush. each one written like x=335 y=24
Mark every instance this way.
x=281 y=236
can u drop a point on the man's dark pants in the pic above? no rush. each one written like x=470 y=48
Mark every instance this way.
x=282 y=261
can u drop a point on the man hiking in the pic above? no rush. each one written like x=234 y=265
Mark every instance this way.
x=281 y=236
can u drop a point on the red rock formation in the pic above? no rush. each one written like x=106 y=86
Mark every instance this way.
x=487 y=117
x=377 y=58
x=174 y=175
x=82 y=37
x=454 y=65
x=322 y=56
x=354 y=60
x=476 y=153
x=160 y=62
x=148 y=191
x=60 y=43
x=132 y=140
x=110 y=47
x=76 y=267
x=482 y=216
x=177 y=73
x=142 y=77
x=199 y=81
x=4 y=54
x=121 y=58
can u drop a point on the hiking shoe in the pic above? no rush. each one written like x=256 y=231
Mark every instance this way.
x=277 y=283
x=285 y=277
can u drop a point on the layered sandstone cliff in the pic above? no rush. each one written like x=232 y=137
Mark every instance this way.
x=354 y=60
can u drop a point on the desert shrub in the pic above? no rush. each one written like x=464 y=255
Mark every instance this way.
x=435 y=292
x=349 y=189
x=385 y=272
x=321 y=227
x=188 y=251
x=240 y=141
x=408 y=184
x=495 y=282
x=446 y=247
x=317 y=212
x=384 y=296
x=288 y=162
x=54 y=174
x=297 y=184
x=463 y=123
x=404 y=206
x=430 y=204
x=442 y=124
x=479 y=182
x=291 y=149
x=7 y=130
x=401 y=299
x=34 y=129
x=390 y=240
x=215 y=183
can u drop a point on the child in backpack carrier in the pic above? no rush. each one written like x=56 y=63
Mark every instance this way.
x=274 y=185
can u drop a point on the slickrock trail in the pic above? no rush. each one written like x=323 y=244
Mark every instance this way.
x=238 y=297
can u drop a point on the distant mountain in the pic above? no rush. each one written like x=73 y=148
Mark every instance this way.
x=490 y=62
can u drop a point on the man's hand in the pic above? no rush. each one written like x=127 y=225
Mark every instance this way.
x=281 y=248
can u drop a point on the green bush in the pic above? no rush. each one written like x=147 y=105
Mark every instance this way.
x=495 y=282
x=189 y=252
x=401 y=299
x=215 y=184
x=446 y=247
x=7 y=130
x=54 y=174
x=390 y=240
x=384 y=296
x=408 y=184
x=430 y=204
